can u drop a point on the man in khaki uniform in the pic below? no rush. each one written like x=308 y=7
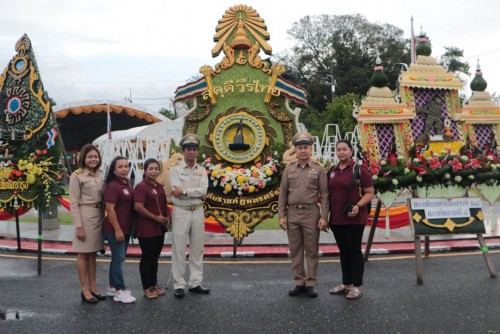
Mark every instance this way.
x=303 y=184
x=189 y=182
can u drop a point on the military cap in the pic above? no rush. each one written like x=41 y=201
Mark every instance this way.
x=190 y=140
x=302 y=138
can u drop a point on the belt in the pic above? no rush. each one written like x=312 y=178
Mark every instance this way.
x=301 y=206
x=93 y=205
x=189 y=208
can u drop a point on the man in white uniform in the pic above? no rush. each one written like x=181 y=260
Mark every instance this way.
x=189 y=182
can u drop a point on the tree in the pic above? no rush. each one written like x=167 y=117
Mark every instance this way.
x=311 y=118
x=340 y=112
x=167 y=113
x=453 y=59
x=342 y=48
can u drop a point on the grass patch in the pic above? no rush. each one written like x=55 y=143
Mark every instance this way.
x=269 y=224
x=66 y=219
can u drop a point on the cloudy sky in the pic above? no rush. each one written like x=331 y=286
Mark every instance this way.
x=112 y=49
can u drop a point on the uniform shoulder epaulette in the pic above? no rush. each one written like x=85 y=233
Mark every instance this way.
x=79 y=171
x=316 y=162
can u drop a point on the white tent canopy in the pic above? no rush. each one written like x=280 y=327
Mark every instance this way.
x=139 y=144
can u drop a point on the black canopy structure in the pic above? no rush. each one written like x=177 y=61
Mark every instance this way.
x=82 y=122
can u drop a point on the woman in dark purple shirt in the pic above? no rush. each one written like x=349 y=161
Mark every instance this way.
x=348 y=215
x=118 y=225
x=150 y=202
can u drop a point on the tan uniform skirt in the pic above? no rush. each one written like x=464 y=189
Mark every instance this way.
x=92 y=219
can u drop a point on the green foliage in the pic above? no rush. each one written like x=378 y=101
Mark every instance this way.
x=345 y=46
x=340 y=112
x=313 y=120
x=167 y=113
x=454 y=59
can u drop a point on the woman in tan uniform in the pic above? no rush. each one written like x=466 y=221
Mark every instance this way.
x=86 y=194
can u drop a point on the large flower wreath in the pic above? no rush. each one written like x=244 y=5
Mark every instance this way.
x=444 y=169
x=35 y=180
x=241 y=181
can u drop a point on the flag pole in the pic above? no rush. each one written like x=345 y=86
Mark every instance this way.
x=413 y=43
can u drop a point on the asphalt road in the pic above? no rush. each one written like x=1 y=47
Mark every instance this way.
x=249 y=296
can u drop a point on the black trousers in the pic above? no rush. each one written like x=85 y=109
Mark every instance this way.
x=349 y=239
x=148 y=267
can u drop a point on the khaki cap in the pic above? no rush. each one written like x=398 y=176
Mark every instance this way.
x=302 y=138
x=190 y=140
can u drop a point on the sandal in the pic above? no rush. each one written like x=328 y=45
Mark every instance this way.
x=159 y=291
x=355 y=293
x=150 y=294
x=339 y=290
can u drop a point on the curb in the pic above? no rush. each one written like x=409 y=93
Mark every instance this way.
x=254 y=251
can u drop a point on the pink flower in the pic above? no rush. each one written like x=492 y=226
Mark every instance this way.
x=208 y=160
x=455 y=164
x=473 y=163
x=435 y=164
x=269 y=158
x=258 y=165
x=223 y=180
x=273 y=168
x=374 y=168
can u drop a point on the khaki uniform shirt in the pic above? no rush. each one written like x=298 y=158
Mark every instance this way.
x=193 y=180
x=84 y=188
x=303 y=186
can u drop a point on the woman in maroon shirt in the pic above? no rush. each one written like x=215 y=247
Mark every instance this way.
x=150 y=202
x=118 y=225
x=348 y=215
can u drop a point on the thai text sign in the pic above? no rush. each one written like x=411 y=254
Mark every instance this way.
x=446 y=216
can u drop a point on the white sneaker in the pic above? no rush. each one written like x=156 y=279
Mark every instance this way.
x=110 y=291
x=123 y=296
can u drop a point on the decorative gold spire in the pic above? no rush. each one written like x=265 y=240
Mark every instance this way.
x=247 y=22
x=240 y=40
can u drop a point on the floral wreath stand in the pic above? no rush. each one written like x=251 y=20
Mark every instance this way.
x=387 y=199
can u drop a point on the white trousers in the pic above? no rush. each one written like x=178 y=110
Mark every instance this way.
x=187 y=226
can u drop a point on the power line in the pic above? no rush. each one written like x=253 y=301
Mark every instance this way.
x=113 y=82
x=154 y=98
x=484 y=53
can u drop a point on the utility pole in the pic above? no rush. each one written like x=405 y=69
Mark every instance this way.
x=334 y=83
x=129 y=99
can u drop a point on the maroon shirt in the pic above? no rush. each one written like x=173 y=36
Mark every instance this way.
x=339 y=183
x=154 y=200
x=120 y=192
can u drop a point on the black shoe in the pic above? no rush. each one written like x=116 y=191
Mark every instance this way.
x=200 y=289
x=311 y=292
x=98 y=297
x=179 y=293
x=297 y=290
x=92 y=300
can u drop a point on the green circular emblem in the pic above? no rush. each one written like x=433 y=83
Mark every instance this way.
x=239 y=137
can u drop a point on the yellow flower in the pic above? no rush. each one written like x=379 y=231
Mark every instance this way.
x=251 y=189
x=29 y=166
x=269 y=172
x=240 y=179
x=228 y=187
x=215 y=173
x=30 y=178
x=229 y=169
